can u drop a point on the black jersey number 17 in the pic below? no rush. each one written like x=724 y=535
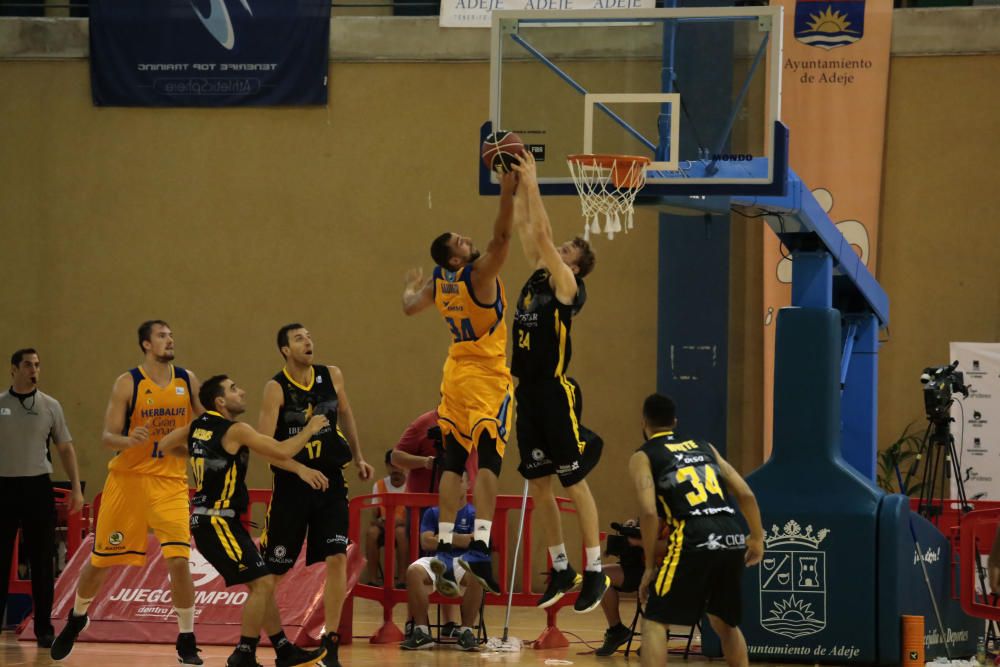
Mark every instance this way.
x=313 y=448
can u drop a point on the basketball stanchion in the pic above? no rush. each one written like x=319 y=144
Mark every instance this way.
x=508 y=643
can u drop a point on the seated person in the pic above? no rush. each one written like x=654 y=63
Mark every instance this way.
x=394 y=482
x=625 y=576
x=420 y=581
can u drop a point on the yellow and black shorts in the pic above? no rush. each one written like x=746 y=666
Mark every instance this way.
x=692 y=582
x=227 y=545
x=550 y=438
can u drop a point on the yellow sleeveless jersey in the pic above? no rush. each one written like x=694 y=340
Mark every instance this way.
x=478 y=330
x=162 y=409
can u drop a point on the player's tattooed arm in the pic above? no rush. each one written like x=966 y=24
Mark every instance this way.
x=345 y=418
x=642 y=478
x=488 y=266
x=418 y=293
x=746 y=501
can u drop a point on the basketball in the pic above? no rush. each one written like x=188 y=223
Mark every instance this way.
x=500 y=151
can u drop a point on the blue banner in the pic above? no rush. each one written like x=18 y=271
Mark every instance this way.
x=209 y=53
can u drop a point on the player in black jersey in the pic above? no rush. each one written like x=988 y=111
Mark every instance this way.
x=687 y=484
x=219 y=448
x=550 y=439
x=298 y=513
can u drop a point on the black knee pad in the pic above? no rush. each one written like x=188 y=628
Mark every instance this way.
x=454 y=455
x=489 y=457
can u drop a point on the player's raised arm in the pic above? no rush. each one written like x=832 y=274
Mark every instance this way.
x=349 y=427
x=540 y=229
x=744 y=498
x=114 y=417
x=523 y=225
x=418 y=293
x=488 y=266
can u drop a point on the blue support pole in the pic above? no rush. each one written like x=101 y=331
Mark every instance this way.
x=850 y=330
x=812 y=279
x=666 y=85
x=859 y=402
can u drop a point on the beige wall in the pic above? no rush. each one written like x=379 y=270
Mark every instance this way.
x=229 y=223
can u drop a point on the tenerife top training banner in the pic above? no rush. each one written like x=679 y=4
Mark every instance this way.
x=209 y=53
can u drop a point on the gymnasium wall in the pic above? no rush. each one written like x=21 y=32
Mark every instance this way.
x=229 y=223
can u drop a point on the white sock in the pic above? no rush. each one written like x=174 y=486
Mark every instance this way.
x=185 y=619
x=560 y=561
x=593 y=559
x=81 y=605
x=423 y=628
x=446 y=531
x=482 y=531
x=462 y=629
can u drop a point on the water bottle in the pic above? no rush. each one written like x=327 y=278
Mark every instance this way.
x=981 y=651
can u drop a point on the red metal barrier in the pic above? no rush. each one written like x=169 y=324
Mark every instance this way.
x=77 y=525
x=951 y=521
x=389 y=596
x=976 y=535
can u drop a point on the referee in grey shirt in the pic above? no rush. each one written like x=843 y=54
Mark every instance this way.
x=29 y=421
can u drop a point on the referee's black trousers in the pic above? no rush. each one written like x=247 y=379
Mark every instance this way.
x=27 y=503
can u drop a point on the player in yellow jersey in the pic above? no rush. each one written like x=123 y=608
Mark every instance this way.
x=476 y=397
x=144 y=490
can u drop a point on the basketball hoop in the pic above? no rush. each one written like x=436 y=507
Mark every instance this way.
x=607 y=185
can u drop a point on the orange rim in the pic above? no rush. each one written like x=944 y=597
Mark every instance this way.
x=607 y=160
x=624 y=174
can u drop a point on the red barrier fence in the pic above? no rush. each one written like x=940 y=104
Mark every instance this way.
x=976 y=535
x=503 y=538
x=135 y=603
x=971 y=536
x=220 y=613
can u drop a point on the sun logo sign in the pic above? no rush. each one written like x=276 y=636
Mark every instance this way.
x=793 y=581
x=828 y=25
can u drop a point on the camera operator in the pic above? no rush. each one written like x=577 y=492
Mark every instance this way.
x=625 y=576
x=419 y=451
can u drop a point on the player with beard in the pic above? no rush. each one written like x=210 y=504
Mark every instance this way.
x=143 y=490
x=298 y=513
x=475 y=407
x=690 y=486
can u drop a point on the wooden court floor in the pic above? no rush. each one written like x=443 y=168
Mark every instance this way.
x=526 y=624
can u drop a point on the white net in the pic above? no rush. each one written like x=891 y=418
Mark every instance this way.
x=607 y=185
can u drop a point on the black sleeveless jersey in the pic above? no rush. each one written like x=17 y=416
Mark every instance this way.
x=542 y=346
x=327 y=451
x=219 y=477
x=690 y=493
